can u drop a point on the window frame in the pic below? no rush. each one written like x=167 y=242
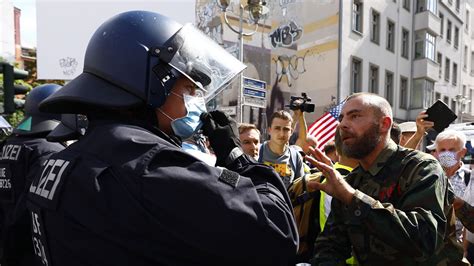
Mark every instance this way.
x=390 y=41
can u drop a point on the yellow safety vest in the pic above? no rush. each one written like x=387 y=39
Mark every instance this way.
x=322 y=209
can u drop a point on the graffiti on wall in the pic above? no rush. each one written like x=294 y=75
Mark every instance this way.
x=289 y=67
x=286 y=35
x=209 y=21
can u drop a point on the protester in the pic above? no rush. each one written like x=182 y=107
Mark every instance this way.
x=391 y=210
x=407 y=129
x=249 y=136
x=277 y=153
x=23 y=153
x=412 y=139
x=330 y=151
x=450 y=149
x=126 y=193
x=465 y=214
x=395 y=133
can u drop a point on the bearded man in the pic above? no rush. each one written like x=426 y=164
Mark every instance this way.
x=393 y=209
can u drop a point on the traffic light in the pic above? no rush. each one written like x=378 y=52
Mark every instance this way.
x=10 y=74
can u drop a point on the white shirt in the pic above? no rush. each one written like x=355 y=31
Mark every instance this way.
x=469 y=198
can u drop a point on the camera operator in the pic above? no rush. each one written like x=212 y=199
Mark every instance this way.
x=299 y=106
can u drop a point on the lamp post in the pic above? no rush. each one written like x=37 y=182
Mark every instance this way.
x=257 y=10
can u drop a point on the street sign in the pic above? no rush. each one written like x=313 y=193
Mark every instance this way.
x=254 y=92
x=255 y=102
x=229 y=110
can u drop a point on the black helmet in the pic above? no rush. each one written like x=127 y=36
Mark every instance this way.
x=72 y=127
x=134 y=59
x=36 y=121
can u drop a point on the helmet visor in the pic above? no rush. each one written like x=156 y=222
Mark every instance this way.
x=204 y=62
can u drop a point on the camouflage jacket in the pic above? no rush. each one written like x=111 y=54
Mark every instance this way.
x=398 y=215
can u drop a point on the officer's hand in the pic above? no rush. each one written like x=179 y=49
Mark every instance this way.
x=222 y=133
x=335 y=184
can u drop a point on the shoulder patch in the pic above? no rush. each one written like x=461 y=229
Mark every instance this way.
x=229 y=177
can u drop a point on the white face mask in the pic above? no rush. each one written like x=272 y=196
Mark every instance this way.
x=447 y=159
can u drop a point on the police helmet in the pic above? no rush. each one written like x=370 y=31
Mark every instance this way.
x=133 y=60
x=35 y=121
x=72 y=127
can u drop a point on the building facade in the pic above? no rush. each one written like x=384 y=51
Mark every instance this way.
x=412 y=52
x=7 y=31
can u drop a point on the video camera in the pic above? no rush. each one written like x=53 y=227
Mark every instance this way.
x=304 y=106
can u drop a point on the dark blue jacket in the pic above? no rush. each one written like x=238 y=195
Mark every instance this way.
x=20 y=160
x=125 y=195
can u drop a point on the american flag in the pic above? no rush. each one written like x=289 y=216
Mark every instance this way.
x=324 y=128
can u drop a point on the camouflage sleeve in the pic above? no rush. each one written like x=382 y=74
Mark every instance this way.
x=416 y=227
x=466 y=215
x=332 y=246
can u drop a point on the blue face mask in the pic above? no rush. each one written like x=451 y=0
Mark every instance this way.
x=186 y=126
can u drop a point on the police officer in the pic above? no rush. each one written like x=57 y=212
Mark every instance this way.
x=22 y=156
x=126 y=193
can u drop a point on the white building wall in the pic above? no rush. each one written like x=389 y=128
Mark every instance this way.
x=7 y=34
x=360 y=46
x=445 y=87
x=467 y=73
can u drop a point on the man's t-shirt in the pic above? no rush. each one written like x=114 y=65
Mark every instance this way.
x=282 y=163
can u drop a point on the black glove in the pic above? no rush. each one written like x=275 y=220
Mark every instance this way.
x=222 y=133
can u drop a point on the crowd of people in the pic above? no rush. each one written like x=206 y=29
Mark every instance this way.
x=153 y=178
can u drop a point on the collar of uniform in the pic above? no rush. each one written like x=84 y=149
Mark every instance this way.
x=337 y=165
x=383 y=157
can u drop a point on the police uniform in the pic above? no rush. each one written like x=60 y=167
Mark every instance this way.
x=126 y=195
x=401 y=214
x=22 y=155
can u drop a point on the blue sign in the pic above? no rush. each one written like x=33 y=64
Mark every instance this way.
x=254 y=83
x=254 y=93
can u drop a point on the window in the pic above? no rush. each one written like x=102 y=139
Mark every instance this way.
x=425 y=45
x=464 y=90
x=441 y=19
x=447 y=62
x=456 y=37
x=453 y=105
x=472 y=62
x=440 y=62
x=455 y=74
x=403 y=92
x=405 y=42
x=438 y=96
x=448 y=31
x=464 y=61
x=406 y=4
x=357 y=16
x=457 y=5
x=469 y=108
x=422 y=93
x=466 y=25
x=375 y=27
x=356 y=75
x=374 y=79
x=389 y=87
x=427 y=5
x=446 y=100
x=390 y=35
